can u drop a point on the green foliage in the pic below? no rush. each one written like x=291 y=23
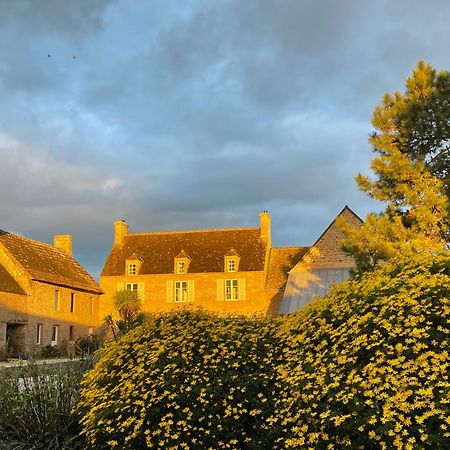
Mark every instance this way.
x=412 y=163
x=87 y=345
x=424 y=134
x=50 y=351
x=185 y=380
x=128 y=305
x=36 y=403
x=368 y=366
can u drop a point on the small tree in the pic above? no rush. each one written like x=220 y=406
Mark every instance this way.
x=411 y=174
x=128 y=305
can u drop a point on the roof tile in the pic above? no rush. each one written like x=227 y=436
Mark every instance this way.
x=206 y=249
x=48 y=264
x=281 y=261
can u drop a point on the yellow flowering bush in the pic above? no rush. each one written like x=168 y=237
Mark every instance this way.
x=368 y=365
x=185 y=380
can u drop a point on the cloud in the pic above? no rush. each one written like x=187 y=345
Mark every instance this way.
x=194 y=114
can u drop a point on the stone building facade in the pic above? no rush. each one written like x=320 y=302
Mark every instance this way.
x=324 y=264
x=233 y=270
x=46 y=297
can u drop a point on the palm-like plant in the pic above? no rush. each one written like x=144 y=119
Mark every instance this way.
x=128 y=305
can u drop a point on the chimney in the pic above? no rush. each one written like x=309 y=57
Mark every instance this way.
x=120 y=231
x=63 y=242
x=264 y=218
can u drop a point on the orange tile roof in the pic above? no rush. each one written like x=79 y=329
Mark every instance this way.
x=281 y=261
x=8 y=283
x=48 y=264
x=206 y=248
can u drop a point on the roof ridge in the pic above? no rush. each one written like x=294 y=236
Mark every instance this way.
x=290 y=247
x=153 y=233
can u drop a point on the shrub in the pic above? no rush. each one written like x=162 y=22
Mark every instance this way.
x=184 y=380
x=87 y=345
x=368 y=365
x=36 y=403
x=50 y=351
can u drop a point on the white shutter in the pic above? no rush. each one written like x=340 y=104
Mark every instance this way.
x=220 y=290
x=141 y=292
x=191 y=290
x=241 y=284
x=169 y=292
x=120 y=286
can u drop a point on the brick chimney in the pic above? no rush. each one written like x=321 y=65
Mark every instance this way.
x=264 y=218
x=63 y=242
x=120 y=231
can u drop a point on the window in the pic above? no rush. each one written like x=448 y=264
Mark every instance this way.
x=231 y=290
x=132 y=287
x=91 y=305
x=132 y=269
x=72 y=302
x=181 y=291
x=39 y=334
x=56 y=300
x=231 y=266
x=181 y=267
x=91 y=331
x=231 y=261
x=71 y=328
x=55 y=332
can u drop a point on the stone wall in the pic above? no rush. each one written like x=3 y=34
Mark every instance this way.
x=153 y=292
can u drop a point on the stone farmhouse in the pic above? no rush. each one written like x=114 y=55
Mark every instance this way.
x=234 y=270
x=46 y=297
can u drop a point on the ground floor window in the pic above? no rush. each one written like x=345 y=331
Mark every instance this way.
x=181 y=291
x=231 y=290
x=39 y=334
x=55 y=333
x=71 y=333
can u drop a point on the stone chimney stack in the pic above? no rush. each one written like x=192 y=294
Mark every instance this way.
x=63 y=242
x=120 y=231
x=264 y=218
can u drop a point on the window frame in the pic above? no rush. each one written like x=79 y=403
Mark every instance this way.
x=183 y=288
x=182 y=265
x=132 y=269
x=131 y=287
x=39 y=327
x=55 y=335
x=231 y=262
x=233 y=288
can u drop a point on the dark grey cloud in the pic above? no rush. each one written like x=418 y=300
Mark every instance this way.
x=194 y=114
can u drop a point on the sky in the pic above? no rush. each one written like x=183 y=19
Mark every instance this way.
x=178 y=115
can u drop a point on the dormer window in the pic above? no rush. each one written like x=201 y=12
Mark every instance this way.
x=131 y=269
x=181 y=263
x=181 y=267
x=232 y=259
x=133 y=265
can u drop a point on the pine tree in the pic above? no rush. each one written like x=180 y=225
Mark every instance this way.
x=412 y=173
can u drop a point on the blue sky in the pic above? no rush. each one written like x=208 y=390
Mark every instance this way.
x=196 y=114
